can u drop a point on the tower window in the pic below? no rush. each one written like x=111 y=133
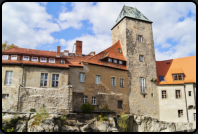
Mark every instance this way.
x=141 y=58
x=120 y=104
x=119 y=50
x=140 y=38
x=180 y=113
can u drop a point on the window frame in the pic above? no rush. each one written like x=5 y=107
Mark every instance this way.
x=26 y=56
x=142 y=58
x=6 y=58
x=164 y=94
x=93 y=98
x=50 y=59
x=121 y=104
x=44 y=79
x=120 y=82
x=177 y=75
x=8 y=78
x=43 y=58
x=83 y=77
x=85 y=98
x=179 y=94
x=144 y=81
x=5 y=94
x=55 y=80
x=33 y=60
x=12 y=57
x=112 y=81
x=96 y=79
x=179 y=113
x=109 y=59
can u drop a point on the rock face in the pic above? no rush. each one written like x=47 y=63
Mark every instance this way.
x=54 y=123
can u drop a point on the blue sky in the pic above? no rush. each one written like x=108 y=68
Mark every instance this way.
x=46 y=25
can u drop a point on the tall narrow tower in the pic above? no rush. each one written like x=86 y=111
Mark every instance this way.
x=134 y=31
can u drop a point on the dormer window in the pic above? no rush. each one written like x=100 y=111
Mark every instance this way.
x=61 y=61
x=26 y=58
x=140 y=38
x=13 y=57
x=51 y=60
x=119 y=50
x=35 y=59
x=120 y=62
x=43 y=59
x=109 y=60
x=178 y=77
x=161 y=78
x=115 y=61
x=4 y=57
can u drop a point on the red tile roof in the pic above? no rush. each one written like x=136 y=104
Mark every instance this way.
x=111 y=52
x=185 y=65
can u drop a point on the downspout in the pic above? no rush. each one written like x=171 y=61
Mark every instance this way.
x=186 y=102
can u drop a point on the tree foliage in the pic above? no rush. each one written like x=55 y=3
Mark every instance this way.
x=6 y=46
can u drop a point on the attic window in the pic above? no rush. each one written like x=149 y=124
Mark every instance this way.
x=109 y=60
x=115 y=61
x=13 y=57
x=161 y=78
x=4 y=57
x=177 y=77
x=26 y=58
x=120 y=62
x=119 y=50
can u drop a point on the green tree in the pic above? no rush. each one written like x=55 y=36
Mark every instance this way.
x=6 y=46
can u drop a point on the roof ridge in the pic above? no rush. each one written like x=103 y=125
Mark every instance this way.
x=36 y=49
x=177 y=58
x=102 y=51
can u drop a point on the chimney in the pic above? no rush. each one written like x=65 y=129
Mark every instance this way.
x=58 y=51
x=66 y=52
x=78 y=51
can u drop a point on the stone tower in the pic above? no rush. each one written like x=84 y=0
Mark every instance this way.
x=134 y=31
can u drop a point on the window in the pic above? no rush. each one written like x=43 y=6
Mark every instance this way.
x=109 y=60
x=82 y=77
x=8 y=79
x=189 y=93
x=140 y=38
x=180 y=113
x=178 y=94
x=120 y=62
x=119 y=50
x=119 y=104
x=113 y=82
x=93 y=100
x=194 y=116
x=51 y=60
x=97 y=79
x=121 y=82
x=142 y=85
x=5 y=95
x=43 y=82
x=35 y=59
x=161 y=78
x=151 y=94
x=85 y=99
x=177 y=77
x=141 y=58
x=164 y=95
x=4 y=57
x=61 y=61
x=55 y=80
x=13 y=57
x=115 y=61
x=26 y=58
x=43 y=59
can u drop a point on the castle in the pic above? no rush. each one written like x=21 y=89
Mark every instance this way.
x=125 y=77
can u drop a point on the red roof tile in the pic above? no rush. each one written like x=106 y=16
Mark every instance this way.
x=186 y=65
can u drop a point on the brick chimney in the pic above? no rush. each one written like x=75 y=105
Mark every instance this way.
x=78 y=50
x=58 y=51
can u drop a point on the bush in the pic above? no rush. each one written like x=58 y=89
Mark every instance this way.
x=40 y=116
x=32 y=110
x=122 y=122
x=87 y=108
x=101 y=118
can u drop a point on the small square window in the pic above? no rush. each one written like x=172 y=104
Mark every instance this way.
x=13 y=57
x=4 y=57
x=61 y=61
x=26 y=58
x=120 y=62
x=140 y=38
x=5 y=96
x=35 y=59
x=115 y=61
x=119 y=50
x=43 y=59
x=180 y=113
x=141 y=58
x=109 y=60
x=161 y=78
x=178 y=77
x=119 y=104
x=51 y=60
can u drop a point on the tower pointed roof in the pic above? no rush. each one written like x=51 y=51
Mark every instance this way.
x=131 y=12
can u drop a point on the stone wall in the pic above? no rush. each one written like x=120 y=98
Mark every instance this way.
x=127 y=32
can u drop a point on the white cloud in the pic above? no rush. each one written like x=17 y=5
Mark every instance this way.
x=63 y=42
x=27 y=24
